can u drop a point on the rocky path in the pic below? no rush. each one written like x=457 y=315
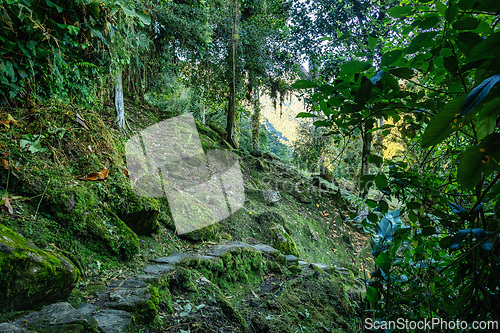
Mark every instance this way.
x=125 y=301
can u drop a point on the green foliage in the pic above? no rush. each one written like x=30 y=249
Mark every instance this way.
x=438 y=78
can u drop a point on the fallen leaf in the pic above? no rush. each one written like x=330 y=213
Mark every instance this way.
x=125 y=171
x=80 y=120
x=7 y=204
x=5 y=164
x=55 y=247
x=101 y=175
x=12 y=120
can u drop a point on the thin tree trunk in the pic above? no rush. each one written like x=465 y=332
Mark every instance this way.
x=120 y=109
x=367 y=142
x=256 y=122
x=231 y=110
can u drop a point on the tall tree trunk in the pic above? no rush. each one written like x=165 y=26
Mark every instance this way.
x=256 y=122
x=231 y=110
x=366 y=137
x=120 y=109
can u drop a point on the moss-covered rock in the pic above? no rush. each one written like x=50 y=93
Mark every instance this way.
x=81 y=211
x=31 y=277
x=139 y=213
x=59 y=317
x=143 y=301
x=283 y=241
x=208 y=233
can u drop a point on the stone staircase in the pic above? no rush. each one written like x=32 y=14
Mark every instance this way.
x=115 y=309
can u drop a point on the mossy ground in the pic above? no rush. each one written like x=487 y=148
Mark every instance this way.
x=84 y=220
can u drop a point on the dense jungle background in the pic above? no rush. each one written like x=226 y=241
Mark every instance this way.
x=367 y=135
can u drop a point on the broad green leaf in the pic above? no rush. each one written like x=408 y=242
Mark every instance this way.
x=372 y=42
x=402 y=72
x=427 y=22
x=363 y=95
x=53 y=5
x=334 y=101
x=73 y=30
x=355 y=66
x=305 y=115
x=384 y=206
x=487 y=118
x=372 y=296
x=323 y=105
x=384 y=262
x=444 y=123
x=487 y=48
x=441 y=7
x=322 y=123
x=381 y=182
x=479 y=159
x=390 y=57
x=451 y=65
x=304 y=84
x=146 y=19
x=400 y=11
x=377 y=160
x=467 y=40
x=451 y=11
x=424 y=39
x=466 y=23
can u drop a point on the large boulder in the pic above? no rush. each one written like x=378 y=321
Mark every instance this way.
x=83 y=212
x=283 y=241
x=29 y=276
x=59 y=317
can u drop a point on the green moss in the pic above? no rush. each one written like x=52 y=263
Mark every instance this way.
x=208 y=233
x=233 y=268
x=30 y=277
x=283 y=241
x=148 y=310
x=317 y=303
x=229 y=310
x=139 y=213
x=80 y=208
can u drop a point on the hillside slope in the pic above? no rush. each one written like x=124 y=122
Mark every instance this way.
x=66 y=181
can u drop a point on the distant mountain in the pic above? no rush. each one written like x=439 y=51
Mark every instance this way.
x=282 y=120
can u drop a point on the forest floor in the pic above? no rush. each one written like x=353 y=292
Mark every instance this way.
x=240 y=290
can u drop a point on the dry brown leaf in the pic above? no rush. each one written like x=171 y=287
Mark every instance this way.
x=10 y=121
x=80 y=120
x=5 y=164
x=55 y=247
x=125 y=171
x=7 y=204
x=101 y=175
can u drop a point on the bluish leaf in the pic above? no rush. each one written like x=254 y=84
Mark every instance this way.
x=478 y=94
x=457 y=209
x=458 y=239
x=377 y=77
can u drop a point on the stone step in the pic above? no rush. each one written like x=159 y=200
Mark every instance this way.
x=290 y=258
x=60 y=317
x=218 y=250
x=158 y=269
x=264 y=248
